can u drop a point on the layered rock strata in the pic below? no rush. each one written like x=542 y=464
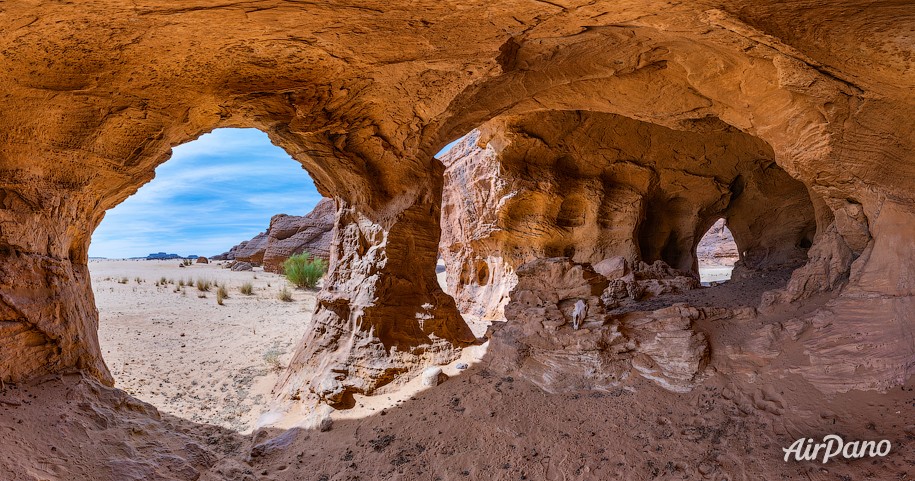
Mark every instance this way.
x=288 y=235
x=363 y=99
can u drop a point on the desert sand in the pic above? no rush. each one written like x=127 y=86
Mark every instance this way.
x=593 y=134
x=478 y=424
x=176 y=348
x=184 y=352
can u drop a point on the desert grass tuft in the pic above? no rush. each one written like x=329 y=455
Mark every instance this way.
x=204 y=285
x=221 y=293
x=246 y=289
x=285 y=295
x=272 y=358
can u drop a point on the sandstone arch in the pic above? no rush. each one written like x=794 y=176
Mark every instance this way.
x=83 y=131
x=639 y=191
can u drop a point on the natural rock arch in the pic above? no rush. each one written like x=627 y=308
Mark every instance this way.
x=592 y=186
x=83 y=131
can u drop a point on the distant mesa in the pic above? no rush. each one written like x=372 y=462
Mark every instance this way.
x=158 y=256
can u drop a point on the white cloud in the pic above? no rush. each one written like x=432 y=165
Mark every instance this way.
x=213 y=193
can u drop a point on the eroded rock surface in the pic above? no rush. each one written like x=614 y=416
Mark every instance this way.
x=814 y=95
x=540 y=339
x=717 y=246
x=594 y=186
x=288 y=235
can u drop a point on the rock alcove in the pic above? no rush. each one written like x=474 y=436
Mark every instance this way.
x=617 y=131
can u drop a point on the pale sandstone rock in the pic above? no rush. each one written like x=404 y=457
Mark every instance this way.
x=540 y=341
x=717 y=246
x=612 y=268
x=433 y=376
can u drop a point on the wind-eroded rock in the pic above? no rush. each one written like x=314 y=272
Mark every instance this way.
x=610 y=128
x=594 y=186
x=288 y=235
x=539 y=339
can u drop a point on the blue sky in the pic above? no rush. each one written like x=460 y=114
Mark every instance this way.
x=213 y=193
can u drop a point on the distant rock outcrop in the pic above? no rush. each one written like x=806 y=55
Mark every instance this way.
x=717 y=247
x=288 y=235
x=162 y=256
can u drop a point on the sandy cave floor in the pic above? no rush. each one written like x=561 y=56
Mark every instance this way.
x=476 y=425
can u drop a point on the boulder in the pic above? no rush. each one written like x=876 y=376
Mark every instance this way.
x=433 y=376
x=242 y=266
x=612 y=268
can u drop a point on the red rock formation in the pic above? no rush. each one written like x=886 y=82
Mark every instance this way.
x=822 y=94
x=250 y=251
x=594 y=186
x=288 y=235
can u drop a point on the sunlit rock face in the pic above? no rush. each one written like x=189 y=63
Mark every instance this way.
x=363 y=97
x=595 y=186
x=288 y=235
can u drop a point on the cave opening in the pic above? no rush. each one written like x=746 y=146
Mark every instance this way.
x=199 y=334
x=716 y=253
x=619 y=194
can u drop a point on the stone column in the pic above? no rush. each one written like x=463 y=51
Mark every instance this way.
x=48 y=320
x=381 y=315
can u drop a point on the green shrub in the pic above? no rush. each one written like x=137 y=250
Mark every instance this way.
x=272 y=358
x=303 y=270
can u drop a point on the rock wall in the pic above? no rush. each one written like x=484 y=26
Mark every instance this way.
x=593 y=186
x=717 y=246
x=560 y=335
